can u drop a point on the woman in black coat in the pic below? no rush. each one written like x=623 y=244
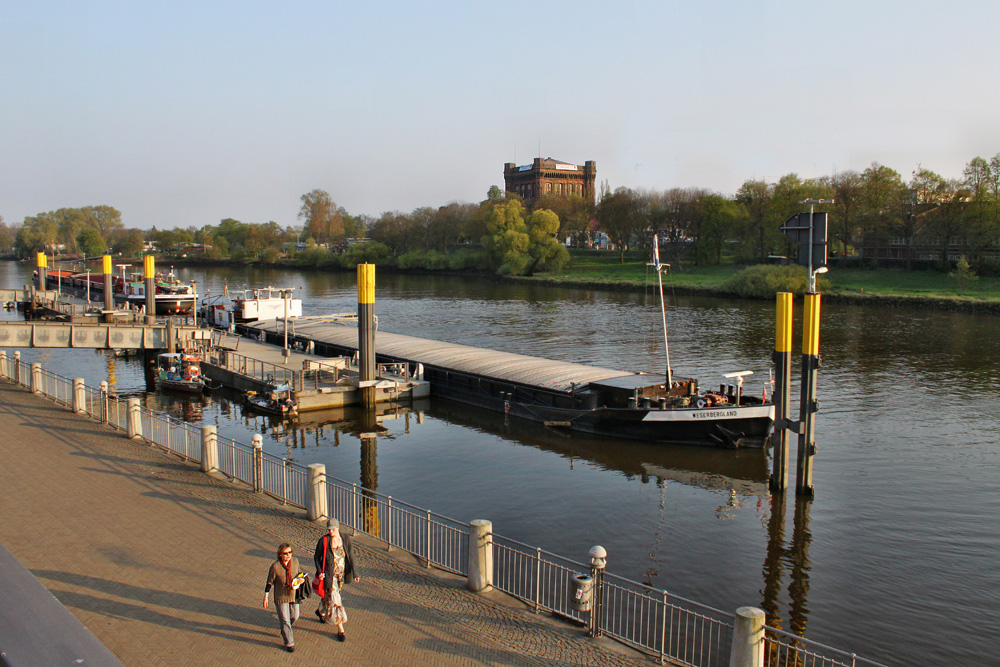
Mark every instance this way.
x=335 y=565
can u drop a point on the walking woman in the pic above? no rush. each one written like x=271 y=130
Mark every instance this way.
x=335 y=565
x=283 y=575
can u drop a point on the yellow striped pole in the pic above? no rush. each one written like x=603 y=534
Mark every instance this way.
x=366 y=333
x=109 y=302
x=149 y=273
x=782 y=388
x=42 y=263
x=808 y=405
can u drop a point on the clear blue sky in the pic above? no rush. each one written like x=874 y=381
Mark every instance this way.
x=184 y=113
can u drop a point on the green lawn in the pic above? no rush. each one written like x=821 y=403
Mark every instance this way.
x=604 y=267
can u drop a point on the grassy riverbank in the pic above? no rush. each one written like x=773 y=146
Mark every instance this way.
x=896 y=286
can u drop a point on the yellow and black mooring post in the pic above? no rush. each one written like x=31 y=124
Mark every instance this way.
x=808 y=405
x=109 y=297
x=149 y=274
x=366 y=333
x=42 y=265
x=782 y=389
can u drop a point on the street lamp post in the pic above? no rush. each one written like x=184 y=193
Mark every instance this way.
x=812 y=274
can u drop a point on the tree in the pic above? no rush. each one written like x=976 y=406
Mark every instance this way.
x=6 y=236
x=507 y=238
x=718 y=219
x=547 y=253
x=90 y=242
x=757 y=199
x=846 y=189
x=574 y=211
x=882 y=194
x=620 y=217
x=324 y=220
x=127 y=242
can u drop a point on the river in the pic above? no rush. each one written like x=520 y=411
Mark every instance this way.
x=896 y=558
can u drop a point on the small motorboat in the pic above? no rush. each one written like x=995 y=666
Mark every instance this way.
x=179 y=372
x=277 y=402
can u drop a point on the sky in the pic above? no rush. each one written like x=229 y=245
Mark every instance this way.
x=181 y=114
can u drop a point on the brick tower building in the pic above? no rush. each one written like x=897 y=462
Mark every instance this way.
x=547 y=176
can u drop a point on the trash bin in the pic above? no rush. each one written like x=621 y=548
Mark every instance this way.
x=582 y=592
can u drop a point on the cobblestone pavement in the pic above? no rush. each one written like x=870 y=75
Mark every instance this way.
x=165 y=565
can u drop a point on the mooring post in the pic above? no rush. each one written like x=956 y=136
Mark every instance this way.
x=149 y=273
x=480 y=555
x=807 y=404
x=209 y=449
x=366 y=333
x=316 y=502
x=748 y=638
x=42 y=263
x=134 y=423
x=598 y=561
x=782 y=389
x=79 y=396
x=258 y=462
x=109 y=297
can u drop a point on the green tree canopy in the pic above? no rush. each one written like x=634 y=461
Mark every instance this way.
x=324 y=220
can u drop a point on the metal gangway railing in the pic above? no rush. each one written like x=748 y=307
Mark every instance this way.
x=671 y=628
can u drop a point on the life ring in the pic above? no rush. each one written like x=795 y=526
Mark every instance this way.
x=702 y=403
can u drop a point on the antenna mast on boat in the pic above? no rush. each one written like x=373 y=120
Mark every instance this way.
x=663 y=306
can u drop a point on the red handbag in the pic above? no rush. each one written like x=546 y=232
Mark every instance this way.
x=317 y=582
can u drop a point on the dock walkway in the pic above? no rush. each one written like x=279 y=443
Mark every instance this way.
x=165 y=565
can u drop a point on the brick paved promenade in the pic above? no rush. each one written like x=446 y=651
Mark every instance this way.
x=165 y=565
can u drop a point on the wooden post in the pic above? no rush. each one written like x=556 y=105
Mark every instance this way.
x=782 y=389
x=807 y=404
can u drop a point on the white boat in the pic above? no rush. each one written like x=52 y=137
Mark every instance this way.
x=179 y=372
x=250 y=305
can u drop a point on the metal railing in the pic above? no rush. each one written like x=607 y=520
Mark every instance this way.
x=783 y=649
x=263 y=371
x=670 y=627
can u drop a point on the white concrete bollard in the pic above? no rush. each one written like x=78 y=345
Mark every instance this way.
x=79 y=396
x=17 y=366
x=134 y=422
x=3 y=364
x=104 y=401
x=748 y=638
x=316 y=501
x=36 y=378
x=209 y=449
x=480 y=555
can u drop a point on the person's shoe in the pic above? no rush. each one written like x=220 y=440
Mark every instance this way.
x=341 y=637
x=320 y=616
x=290 y=649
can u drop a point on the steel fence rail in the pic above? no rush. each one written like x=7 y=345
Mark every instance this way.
x=784 y=649
x=671 y=627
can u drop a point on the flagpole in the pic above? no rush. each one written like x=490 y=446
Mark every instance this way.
x=663 y=306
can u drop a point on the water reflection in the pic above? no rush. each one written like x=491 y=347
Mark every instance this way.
x=743 y=472
x=794 y=558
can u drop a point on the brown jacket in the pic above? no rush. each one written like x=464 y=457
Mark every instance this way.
x=276 y=578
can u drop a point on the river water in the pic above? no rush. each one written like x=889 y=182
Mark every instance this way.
x=896 y=558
